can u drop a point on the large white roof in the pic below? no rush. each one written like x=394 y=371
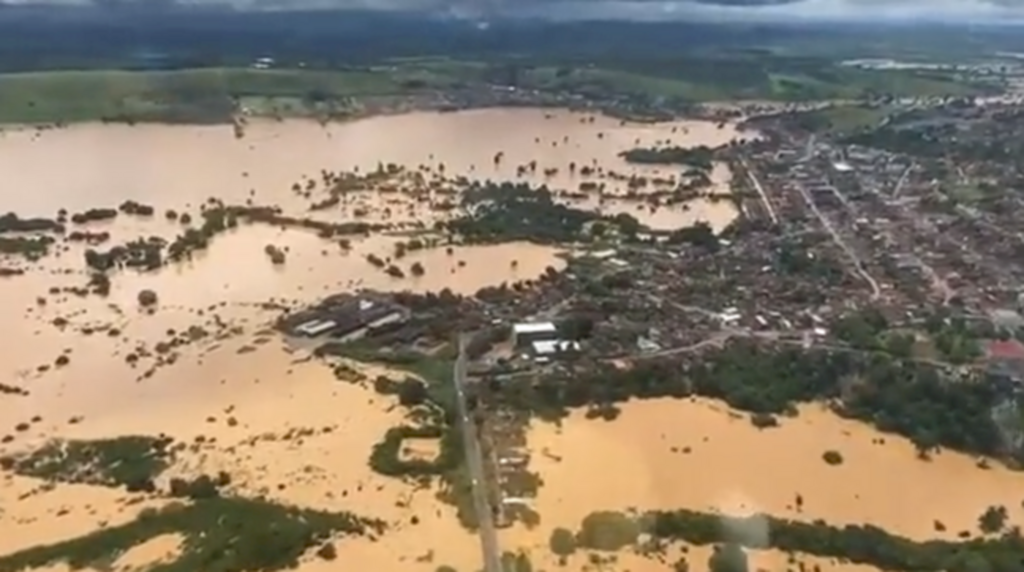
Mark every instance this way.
x=534 y=328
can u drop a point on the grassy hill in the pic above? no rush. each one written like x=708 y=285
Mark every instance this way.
x=212 y=95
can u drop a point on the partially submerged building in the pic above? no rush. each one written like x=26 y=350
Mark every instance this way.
x=346 y=317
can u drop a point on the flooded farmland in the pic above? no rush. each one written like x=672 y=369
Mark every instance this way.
x=92 y=367
x=699 y=454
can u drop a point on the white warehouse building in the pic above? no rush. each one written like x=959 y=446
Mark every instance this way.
x=524 y=335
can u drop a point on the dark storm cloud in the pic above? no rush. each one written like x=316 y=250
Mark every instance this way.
x=767 y=10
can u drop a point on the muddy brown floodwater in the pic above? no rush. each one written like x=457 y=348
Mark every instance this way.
x=698 y=454
x=267 y=387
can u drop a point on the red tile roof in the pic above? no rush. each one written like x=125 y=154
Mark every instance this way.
x=1008 y=349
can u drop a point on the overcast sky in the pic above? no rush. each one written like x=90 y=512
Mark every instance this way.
x=908 y=10
x=776 y=10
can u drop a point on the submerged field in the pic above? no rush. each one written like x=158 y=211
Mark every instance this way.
x=133 y=426
x=699 y=455
x=240 y=419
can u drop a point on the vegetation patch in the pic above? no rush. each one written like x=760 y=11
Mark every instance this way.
x=841 y=119
x=860 y=544
x=387 y=458
x=32 y=248
x=833 y=458
x=131 y=461
x=220 y=535
x=608 y=531
x=437 y=372
x=198 y=96
x=510 y=212
x=902 y=396
x=700 y=157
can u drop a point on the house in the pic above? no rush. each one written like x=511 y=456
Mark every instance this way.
x=1007 y=319
x=546 y=350
x=524 y=334
x=1005 y=359
x=347 y=317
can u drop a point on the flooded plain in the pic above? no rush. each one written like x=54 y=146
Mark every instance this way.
x=700 y=455
x=181 y=167
x=92 y=367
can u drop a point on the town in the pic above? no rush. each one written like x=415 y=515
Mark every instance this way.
x=465 y=288
x=895 y=241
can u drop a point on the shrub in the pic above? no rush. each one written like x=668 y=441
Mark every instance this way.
x=833 y=458
x=562 y=542
x=607 y=530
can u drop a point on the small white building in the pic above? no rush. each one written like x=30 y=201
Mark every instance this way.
x=603 y=254
x=315 y=327
x=523 y=335
x=550 y=348
x=730 y=316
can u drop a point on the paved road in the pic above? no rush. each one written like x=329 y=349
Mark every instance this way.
x=899 y=183
x=475 y=463
x=858 y=266
x=760 y=190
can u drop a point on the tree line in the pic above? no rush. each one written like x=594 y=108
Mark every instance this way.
x=700 y=157
x=898 y=396
x=861 y=544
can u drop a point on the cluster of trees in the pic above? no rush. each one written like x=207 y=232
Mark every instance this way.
x=31 y=247
x=141 y=253
x=200 y=487
x=898 y=396
x=993 y=519
x=864 y=544
x=515 y=211
x=699 y=234
x=411 y=392
x=94 y=215
x=220 y=533
x=132 y=461
x=988 y=140
x=153 y=252
x=700 y=157
x=957 y=340
x=386 y=457
x=11 y=222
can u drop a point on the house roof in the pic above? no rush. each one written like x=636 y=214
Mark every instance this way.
x=534 y=328
x=1006 y=349
x=548 y=347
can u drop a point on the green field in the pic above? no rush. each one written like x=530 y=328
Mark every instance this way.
x=190 y=96
x=843 y=119
x=214 y=95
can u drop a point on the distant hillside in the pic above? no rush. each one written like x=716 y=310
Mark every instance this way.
x=40 y=38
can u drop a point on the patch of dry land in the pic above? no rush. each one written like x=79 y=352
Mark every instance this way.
x=152 y=419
